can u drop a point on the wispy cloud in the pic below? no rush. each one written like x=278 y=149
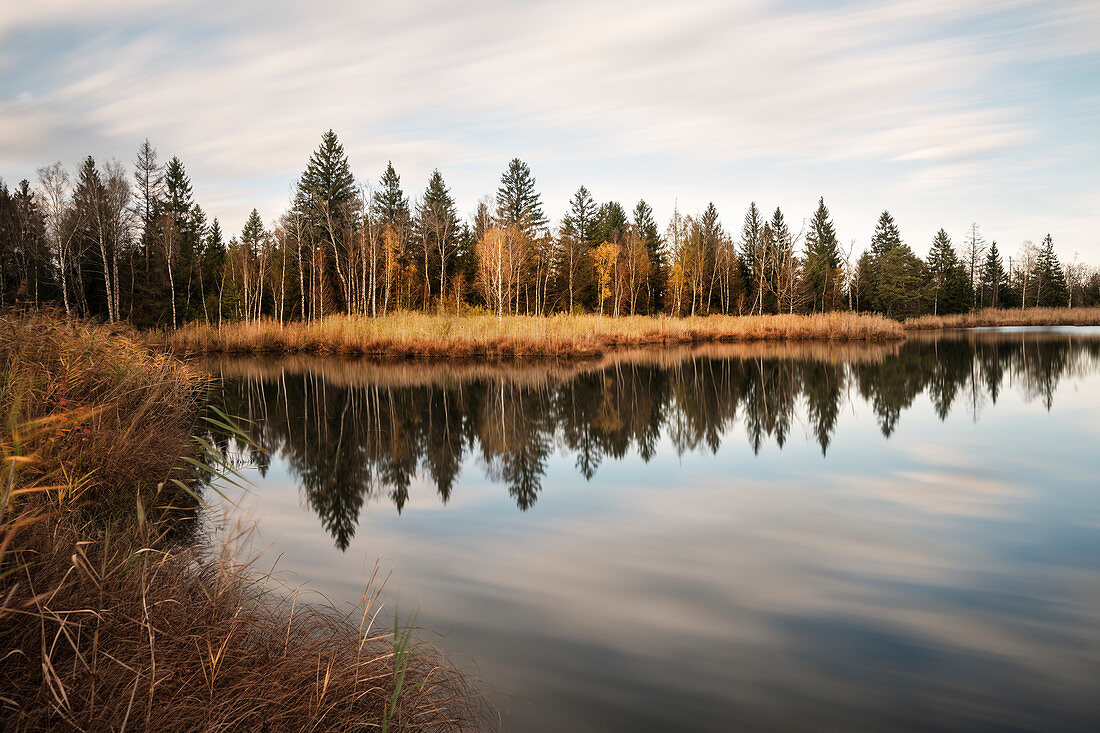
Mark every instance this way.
x=898 y=98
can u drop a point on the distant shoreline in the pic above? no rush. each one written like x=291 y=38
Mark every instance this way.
x=414 y=334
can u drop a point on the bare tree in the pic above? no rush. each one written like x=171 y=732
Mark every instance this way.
x=54 y=182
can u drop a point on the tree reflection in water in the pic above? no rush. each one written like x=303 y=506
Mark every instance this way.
x=355 y=430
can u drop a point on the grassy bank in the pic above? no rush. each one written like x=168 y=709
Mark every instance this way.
x=416 y=334
x=1009 y=317
x=113 y=616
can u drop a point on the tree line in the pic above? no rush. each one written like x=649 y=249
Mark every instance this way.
x=134 y=245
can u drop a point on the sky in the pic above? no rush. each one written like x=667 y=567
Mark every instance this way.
x=945 y=113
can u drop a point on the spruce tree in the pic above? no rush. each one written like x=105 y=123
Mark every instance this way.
x=821 y=280
x=949 y=290
x=753 y=256
x=646 y=227
x=1050 y=279
x=389 y=203
x=327 y=183
x=886 y=236
x=901 y=284
x=178 y=195
x=518 y=203
x=582 y=214
x=994 y=280
x=437 y=231
x=780 y=267
x=253 y=234
x=610 y=223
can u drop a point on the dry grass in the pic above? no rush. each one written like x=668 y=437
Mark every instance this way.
x=415 y=334
x=108 y=621
x=93 y=409
x=1010 y=317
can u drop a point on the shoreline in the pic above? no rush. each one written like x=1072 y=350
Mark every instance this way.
x=416 y=335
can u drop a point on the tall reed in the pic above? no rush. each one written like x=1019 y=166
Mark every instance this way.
x=417 y=334
x=111 y=618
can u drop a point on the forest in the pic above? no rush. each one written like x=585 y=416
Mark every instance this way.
x=132 y=244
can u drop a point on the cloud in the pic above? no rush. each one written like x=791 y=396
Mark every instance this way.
x=242 y=91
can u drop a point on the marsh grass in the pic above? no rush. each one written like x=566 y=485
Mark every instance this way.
x=112 y=619
x=417 y=334
x=1009 y=317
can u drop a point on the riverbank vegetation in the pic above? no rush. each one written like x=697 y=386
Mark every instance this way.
x=1009 y=317
x=134 y=245
x=115 y=614
x=416 y=334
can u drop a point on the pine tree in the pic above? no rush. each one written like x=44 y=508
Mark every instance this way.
x=886 y=236
x=950 y=288
x=646 y=227
x=582 y=214
x=327 y=184
x=437 y=230
x=780 y=267
x=901 y=285
x=822 y=277
x=994 y=279
x=610 y=223
x=254 y=233
x=861 y=288
x=389 y=202
x=753 y=256
x=575 y=235
x=518 y=203
x=178 y=195
x=1050 y=279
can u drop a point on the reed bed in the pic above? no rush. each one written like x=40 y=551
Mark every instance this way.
x=111 y=618
x=417 y=334
x=1009 y=317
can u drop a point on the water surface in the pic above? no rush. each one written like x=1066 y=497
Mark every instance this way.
x=761 y=536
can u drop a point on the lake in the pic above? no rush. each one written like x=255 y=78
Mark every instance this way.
x=758 y=536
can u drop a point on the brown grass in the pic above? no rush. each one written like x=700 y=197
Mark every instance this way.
x=416 y=334
x=92 y=408
x=1010 y=317
x=108 y=621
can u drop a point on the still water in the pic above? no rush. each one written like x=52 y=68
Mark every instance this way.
x=761 y=536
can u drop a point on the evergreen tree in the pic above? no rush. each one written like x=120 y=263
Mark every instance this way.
x=389 y=202
x=1050 y=279
x=753 y=256
x=582 y=214
x=254 y=233
x=886 y=236
x=610 y=223
x=949 y=285
x=437 y=231
x=646 y=227
x=901 y=285
x=327 y=185
x=178 y=195
x=994 y=279
x=779 y=270
x=861 y=292
x=518 y=203
x=821 y=272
